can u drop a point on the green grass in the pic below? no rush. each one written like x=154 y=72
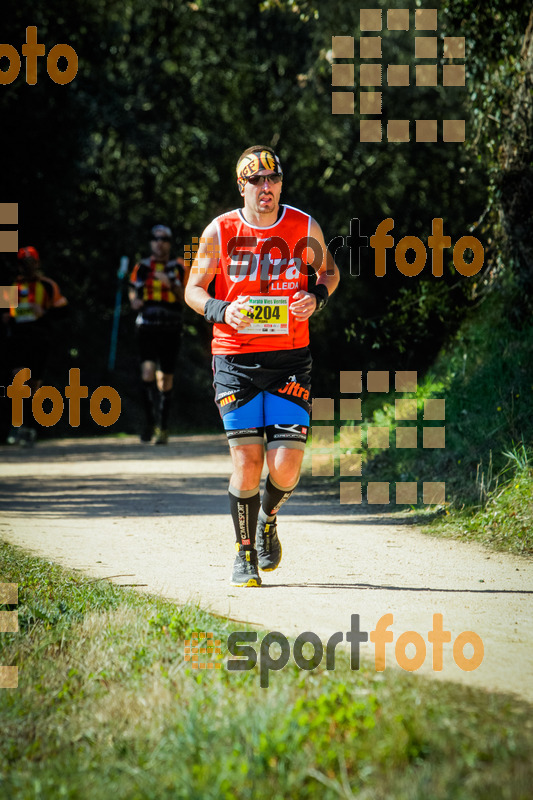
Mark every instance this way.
x=107 y=707
x=504 y=518
x=486 y=377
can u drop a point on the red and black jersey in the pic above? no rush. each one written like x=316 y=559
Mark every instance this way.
x=265 y=263
x=161 y=305
x=35 y=298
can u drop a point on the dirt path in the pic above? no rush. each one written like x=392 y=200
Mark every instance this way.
x=157 y=518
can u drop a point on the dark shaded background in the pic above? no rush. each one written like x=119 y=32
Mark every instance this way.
x=166 y=97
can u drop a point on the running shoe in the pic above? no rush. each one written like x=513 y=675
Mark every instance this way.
x=13 y=436
x=268 y=545
x=147 y=433
x=27 y=436
x=161 y=437
x=245 y=569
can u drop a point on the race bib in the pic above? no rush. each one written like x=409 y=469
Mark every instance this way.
x=270 y=315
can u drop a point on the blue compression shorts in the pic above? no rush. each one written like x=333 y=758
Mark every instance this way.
x=264 y=393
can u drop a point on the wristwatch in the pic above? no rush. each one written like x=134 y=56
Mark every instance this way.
x=321 y=293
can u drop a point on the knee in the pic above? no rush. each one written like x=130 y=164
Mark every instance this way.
x=147 y=372
x=166 y=383
x=247 y=466
x=285 y=478
x=284 y=466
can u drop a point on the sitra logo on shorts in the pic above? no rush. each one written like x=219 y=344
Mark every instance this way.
x=295 y=389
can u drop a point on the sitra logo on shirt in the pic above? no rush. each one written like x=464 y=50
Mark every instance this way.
x=246 y=265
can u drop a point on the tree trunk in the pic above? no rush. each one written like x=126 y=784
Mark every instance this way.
x=516 y=182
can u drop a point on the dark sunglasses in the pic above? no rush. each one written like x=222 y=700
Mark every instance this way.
x=255 y=180
x=161 y=239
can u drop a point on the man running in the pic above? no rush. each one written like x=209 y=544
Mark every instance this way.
x=261 y=359
x=29 y=336
x=156 y=293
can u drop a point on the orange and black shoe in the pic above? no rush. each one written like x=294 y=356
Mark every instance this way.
x=245 y=568
x=268 y=545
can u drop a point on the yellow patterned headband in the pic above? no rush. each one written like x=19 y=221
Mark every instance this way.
x=252 y=163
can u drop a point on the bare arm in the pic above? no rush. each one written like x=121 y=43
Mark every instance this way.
x=135 y=302
x=172 y=283
x=178 y=286
x=203 y=271
x=305 y=303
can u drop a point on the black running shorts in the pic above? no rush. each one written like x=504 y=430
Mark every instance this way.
x=160 y=344
x=264 y=393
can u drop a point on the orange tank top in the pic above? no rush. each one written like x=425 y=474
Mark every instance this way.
x=268 y=265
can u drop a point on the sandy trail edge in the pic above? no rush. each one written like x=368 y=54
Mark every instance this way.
x=157 y=518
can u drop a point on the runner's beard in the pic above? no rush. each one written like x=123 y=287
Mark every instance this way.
x=265 y=207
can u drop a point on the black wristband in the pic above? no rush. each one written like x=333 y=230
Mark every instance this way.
x=215 y=310
x=322 y=295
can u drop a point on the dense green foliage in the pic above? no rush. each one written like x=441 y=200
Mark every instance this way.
x=165 y=98
x=486 y=375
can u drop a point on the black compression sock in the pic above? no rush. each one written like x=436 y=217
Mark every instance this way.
x=28 y=420
x=244 y=507
x=149 y=391
x=164 y=408
x=273 y=498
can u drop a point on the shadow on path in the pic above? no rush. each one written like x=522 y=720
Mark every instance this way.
x=176 y=480
x=374 y=587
